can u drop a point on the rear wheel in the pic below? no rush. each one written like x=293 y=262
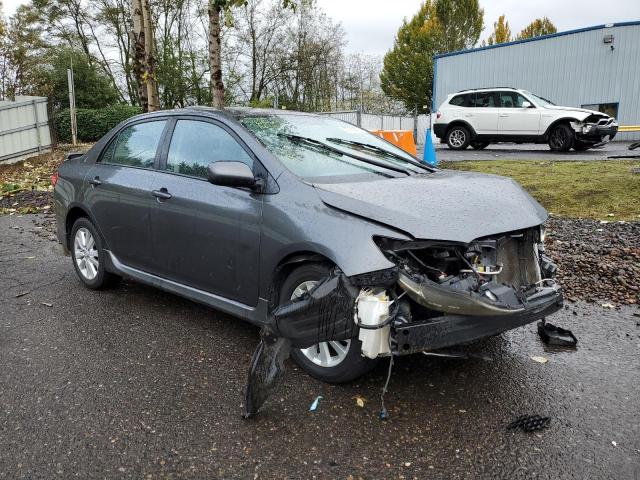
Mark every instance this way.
x=458 y=137
x=479 y=145
x=562 y=138
x=336 y=361
x=88 y=254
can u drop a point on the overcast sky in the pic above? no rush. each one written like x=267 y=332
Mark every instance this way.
x=372 y=24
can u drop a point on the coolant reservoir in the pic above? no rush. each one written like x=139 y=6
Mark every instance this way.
x=373 y=310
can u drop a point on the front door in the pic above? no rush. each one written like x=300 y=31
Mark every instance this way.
x=205 y=236
x=516 y=118
x=119 y=189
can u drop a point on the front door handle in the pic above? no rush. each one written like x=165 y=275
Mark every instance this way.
x=95 y=181
x=504 y=114
x=162 y=194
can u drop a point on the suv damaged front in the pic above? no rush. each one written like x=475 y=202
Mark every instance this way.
x=595 y=130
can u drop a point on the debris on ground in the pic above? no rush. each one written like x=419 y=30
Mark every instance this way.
x=360 y=401
x=540 y=359
x=529 y=423
x=552 y=335
x=610 y=306
x=602 y=267
x=21 y=294
x=315 y=403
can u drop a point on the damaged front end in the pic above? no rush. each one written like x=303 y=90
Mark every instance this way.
x=440 y=294
x=595 y=130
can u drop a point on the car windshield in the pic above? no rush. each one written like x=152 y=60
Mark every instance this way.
x=540 y=100
x=310 y=146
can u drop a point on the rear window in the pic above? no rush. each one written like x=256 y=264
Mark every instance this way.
x=458 y=101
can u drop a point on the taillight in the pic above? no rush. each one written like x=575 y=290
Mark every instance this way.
x=54 y=178
x=438 y=115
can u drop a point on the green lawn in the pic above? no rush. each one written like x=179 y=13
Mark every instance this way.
x=593 y=189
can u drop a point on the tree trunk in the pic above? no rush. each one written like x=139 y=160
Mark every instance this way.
x=138 y=52
x=215 y=55
x=150 y=59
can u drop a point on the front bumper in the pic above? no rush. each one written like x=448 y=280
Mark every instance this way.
x=598 y=134
x=450 y=330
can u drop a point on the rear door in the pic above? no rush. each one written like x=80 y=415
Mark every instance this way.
x=119 y=192
x=515 y=118
x=206 y=236
x=484 y=112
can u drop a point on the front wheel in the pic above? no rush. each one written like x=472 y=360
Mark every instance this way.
x=562 y=138
x=335 y=361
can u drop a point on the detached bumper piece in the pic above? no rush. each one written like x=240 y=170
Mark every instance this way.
x=450 y=330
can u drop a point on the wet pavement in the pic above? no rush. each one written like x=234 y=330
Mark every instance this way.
x=136 y=383
x=531 y=151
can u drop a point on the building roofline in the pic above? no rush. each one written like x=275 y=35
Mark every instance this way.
x=542 y=37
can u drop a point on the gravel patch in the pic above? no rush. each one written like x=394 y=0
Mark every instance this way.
x=597 y=261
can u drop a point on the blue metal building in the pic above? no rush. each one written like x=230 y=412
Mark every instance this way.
x=596 y=67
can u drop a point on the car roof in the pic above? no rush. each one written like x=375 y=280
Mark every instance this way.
x=233 y=112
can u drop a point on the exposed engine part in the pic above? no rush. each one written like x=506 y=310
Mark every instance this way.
x=372 y=315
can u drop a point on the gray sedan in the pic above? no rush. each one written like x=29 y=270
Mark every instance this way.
x=326 y=234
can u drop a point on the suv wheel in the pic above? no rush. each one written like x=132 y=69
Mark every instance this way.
x=88 y=255
x=479 y=145
x=337 y=361
x=562 y=138
x=458 y=137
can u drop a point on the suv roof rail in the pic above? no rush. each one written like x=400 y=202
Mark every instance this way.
x=485 y=88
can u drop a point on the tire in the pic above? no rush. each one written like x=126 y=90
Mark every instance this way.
x=87 y=255
x=352 y=365
x=479 y=145
x=458 y=137
x=561 y=138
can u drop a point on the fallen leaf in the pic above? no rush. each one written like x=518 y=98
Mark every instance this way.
x=540 y=359
x=462 y=411
x=360 y=402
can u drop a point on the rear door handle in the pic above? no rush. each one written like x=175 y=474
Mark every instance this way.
x=95 y=181
x=162 y=193
x=504 y=114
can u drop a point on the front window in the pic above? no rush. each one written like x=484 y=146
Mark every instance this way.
x=511 y=100
x=543 y=102
x=287 y=137
x=196 y=144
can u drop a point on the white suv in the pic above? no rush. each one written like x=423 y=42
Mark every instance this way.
x=489 y=115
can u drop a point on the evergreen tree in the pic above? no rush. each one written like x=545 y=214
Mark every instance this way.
x=407 y=74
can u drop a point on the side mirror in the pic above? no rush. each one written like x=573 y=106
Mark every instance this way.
x=231 y=174
x=526 y=104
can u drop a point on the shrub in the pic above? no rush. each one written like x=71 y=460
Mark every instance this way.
x=93 y=124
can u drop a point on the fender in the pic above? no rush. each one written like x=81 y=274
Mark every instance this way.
x=555 y=123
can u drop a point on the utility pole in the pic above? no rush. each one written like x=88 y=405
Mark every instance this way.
x=72 y=105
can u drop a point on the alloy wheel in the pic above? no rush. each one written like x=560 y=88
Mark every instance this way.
x=86 y=253
x=558 y=138
x=324 y=354
x=457 y=138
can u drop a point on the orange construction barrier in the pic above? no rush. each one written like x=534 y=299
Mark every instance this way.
x=401 y=138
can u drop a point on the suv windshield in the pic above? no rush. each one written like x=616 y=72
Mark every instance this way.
x=310 y=146
x=543 y=102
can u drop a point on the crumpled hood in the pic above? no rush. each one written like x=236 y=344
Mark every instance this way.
x=576 y=109
x=445 y=205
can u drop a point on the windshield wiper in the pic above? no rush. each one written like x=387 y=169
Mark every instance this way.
x=318 y=143
x=382 y=151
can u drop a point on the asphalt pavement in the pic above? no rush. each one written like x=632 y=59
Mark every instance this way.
x=531 y=151
x=137 y=383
